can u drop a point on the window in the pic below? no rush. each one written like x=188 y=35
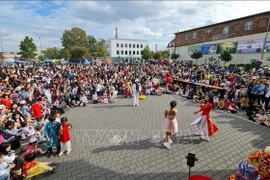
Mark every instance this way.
x=186 y=37
x=141 y=45
x=122 y=52
x=122 y=45
x=125 y=52
x=138 y=46
x=129 y=45
x=194 y=35
x=248 y=25
x=129 y=52
x=134 y=52
x=226 y=30
x=133 y=45
x=126 y=45
x=117 y=44
x=138 y=52
x=208 y=32
x=117 y=52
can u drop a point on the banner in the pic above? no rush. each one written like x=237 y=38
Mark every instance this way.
x=267 y=46
x=193 y=48
x=228 y=46
x=250 y=46
x=209 y=49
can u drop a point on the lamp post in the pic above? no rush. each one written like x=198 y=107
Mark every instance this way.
x=2 y=46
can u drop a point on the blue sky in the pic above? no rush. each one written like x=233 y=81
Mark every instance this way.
x=154 y=21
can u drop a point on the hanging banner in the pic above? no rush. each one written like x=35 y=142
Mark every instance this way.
x=209 y=49
x=193 y=48
x=267 y=46
x=250 y=46
x=228 y=46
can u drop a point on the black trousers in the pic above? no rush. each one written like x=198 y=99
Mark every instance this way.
x=260 y=98
x=266 y=105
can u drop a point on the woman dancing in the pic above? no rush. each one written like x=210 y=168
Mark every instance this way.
x=170 y=125
x=205 y=118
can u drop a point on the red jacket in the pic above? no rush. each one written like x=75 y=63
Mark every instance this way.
x=36 y=108
x=64 y=135
x=6 y=102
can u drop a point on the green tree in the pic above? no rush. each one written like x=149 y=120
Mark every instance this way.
x=87 y=55
x=52 y=53
x=225 y=56
x=77 y=52
x=165 y=54
x=2 y=57
x=146 y=53
x=28 y=48
x=196 y=55
x=91 y=43
x=65 y=54
x=41 y=57
x=74 y=37
x=157 y=55
x=174 y=56
x=101 y=49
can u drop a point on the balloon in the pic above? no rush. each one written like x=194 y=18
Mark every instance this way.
x=267 y=150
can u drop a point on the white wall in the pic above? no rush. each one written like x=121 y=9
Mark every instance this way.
x=113 y=47
x=237 y=58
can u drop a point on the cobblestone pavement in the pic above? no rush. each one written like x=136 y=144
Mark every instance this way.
x=114 y=141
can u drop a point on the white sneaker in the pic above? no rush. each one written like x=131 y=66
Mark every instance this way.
x=60 y=154
x=170 y=141
x=197 y=134
x=204 y=139
x=167 y=145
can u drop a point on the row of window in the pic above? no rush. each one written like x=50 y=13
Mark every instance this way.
x=126 y=52
x=226 y=29
x=129 y=45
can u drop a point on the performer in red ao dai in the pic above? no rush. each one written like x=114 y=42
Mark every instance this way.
x=205 y=118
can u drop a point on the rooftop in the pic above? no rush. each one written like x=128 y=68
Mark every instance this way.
x=267 y=12
x=128 y=39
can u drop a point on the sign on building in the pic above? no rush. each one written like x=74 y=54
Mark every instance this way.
x=250 y=46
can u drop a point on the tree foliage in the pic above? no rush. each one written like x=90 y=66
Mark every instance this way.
x=87 y=55
x=77 y=52
x=28 y=48
x=65 y=54
x=146 y=53
x=74 y=37
x=174 y=56
x=157 y=55
x=41 y=57
x=196 y=55
x=52 y=53
x=165 y=54
x=101 y=49
x=226 y=56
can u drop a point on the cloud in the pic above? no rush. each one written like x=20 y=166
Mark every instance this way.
x=153 y=21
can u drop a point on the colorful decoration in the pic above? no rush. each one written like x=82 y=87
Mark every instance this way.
x=267 y=151
x=226 y=65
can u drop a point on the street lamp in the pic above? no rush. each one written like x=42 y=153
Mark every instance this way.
x=2 y=46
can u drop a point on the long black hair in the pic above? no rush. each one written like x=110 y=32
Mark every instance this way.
x=3 y=147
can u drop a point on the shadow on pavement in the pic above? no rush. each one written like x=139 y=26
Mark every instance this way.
x=81 y=169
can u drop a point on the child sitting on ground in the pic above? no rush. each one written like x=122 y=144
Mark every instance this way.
x=244 y=102
x=33 y=147
x=95 y=97
x=39 y=134
x=83 y=100
x=148 y=91
x=32 y=168
x=261 y=117
x=232 y=108
x=105 y=97
x=5 y=168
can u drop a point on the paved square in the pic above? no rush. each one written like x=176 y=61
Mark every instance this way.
x=97 y=152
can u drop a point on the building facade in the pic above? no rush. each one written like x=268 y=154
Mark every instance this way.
x=246 y=38
x=126 y=49
x=171 y=47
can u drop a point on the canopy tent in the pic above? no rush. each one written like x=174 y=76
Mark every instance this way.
x=48 y=61
x=86 y=62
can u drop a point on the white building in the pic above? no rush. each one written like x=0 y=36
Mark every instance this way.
x=171 y=47
x=126 y=49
